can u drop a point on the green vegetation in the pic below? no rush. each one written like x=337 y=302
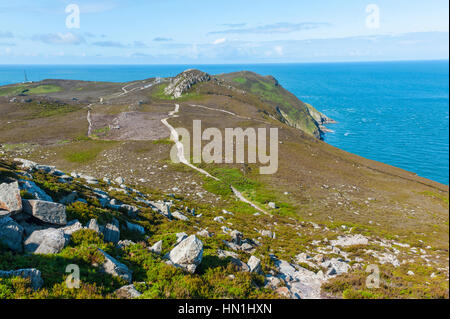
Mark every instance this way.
x=85 y=150
x=28 y=89
x=44 y=89
x=240 y=80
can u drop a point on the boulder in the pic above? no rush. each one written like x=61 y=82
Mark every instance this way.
x=49 y=212
x=156 y=248
x=11 y=234
x=111 y=232
x=10 y=199
x=33 y=274
x=35 y=190
x=46 y=241
x=187 y=254
x=113 y=267
x=127 y=292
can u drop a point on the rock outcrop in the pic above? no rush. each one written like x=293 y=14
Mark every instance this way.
x=184 y=81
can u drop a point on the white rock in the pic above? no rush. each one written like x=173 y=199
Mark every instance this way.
x=10 y=199
x=254 y=264
x=49 y=212
x=179 y=216
x=47 y=241
x=156 y=248
x=115 y=268
x=187 y=254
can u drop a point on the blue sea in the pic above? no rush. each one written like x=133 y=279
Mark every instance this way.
x=393 y=112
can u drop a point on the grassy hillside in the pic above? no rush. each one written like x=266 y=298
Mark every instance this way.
x=319 y=193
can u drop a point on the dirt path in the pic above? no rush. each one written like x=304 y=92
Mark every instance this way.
x=180 y=154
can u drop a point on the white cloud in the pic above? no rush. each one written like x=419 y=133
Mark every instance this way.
x=219 y=41
x=59 y=38
x=279 y=49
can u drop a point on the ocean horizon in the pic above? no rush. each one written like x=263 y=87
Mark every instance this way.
x=395 y=112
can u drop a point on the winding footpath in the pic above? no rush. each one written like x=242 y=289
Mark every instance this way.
x=174 y=136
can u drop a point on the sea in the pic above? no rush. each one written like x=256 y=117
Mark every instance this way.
x=393 y=112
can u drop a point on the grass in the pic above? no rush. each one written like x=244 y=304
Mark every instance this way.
x=85 y=150
x=28 y=89
x=240 y=80
x=44 y=89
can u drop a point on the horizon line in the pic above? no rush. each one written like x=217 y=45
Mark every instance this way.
x=234 y=63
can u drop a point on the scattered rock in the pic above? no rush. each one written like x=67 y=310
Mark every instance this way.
x=350 y=240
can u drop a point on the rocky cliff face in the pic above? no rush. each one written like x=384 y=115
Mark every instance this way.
x=184 y=81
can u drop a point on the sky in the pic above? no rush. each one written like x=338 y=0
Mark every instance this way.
x=220 y=32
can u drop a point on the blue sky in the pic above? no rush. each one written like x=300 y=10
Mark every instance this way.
x=244 y=31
